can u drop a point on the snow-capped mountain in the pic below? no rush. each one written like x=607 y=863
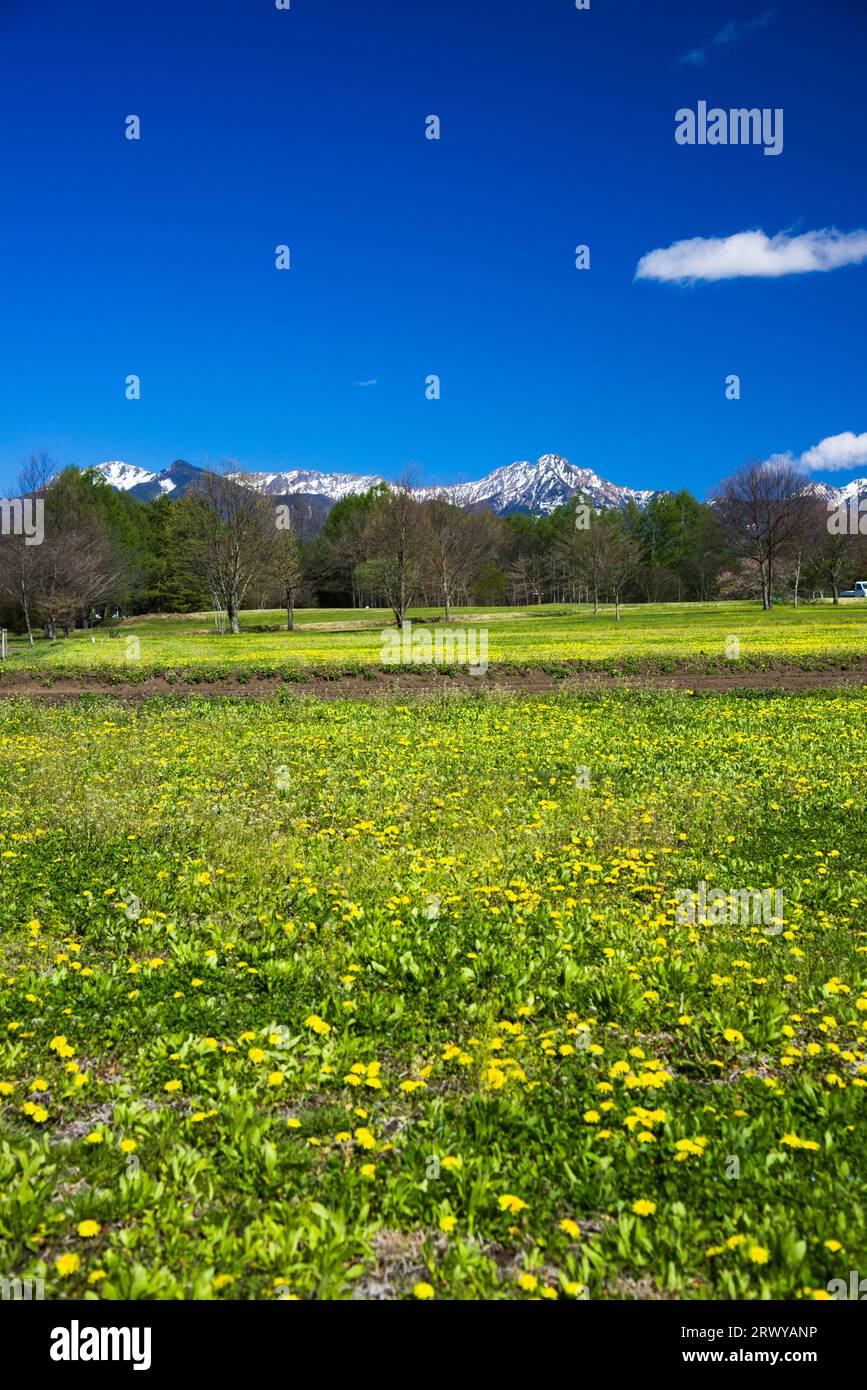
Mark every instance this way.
x=123 y=476
x=308 y=481
x=839 y=495
x=519 y=487
x=538 y=487
x=144 y=485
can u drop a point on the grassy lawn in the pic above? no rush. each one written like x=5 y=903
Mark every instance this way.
x=545 y=635
x=392 y=998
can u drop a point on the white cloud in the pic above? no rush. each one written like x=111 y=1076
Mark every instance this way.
x=732 y=32
x=753 y=254
x=837 y=452
x=367 y=383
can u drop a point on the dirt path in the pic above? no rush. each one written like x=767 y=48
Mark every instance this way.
x=780 y=676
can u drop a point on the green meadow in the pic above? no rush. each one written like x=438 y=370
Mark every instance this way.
x=647 y=634
x=393 y=999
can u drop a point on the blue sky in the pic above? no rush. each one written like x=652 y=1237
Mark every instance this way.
x=412 y=257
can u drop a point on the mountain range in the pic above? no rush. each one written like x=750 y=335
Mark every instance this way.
x=533 y=488
x=519 y=487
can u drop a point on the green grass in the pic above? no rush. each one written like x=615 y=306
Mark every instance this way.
x=657 y=634
x=301 y=1000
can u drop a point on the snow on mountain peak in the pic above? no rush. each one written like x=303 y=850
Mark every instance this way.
x=522 y=486
x=334 y=486
x=123 y=476
x=837 y=496
x=537 y=487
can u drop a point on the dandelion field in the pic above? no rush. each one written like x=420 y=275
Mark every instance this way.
x=389 y=1000
x=697 y=634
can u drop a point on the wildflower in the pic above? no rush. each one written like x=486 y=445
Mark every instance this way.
x=317 y=1024
x=511 y=1204
x=793 y=1142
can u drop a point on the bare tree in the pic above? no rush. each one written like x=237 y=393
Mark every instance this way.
x=20 y=561
x=830 y=553
x=591 y=558
x=230 y=534
x=763 y=506
x=522 y=571
x=460 y=543
x=793 y=566
x=75 y=575
x=288 y=564
x=397 y=536
x=621 y=559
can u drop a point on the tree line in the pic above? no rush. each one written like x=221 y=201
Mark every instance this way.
x=223 y=546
